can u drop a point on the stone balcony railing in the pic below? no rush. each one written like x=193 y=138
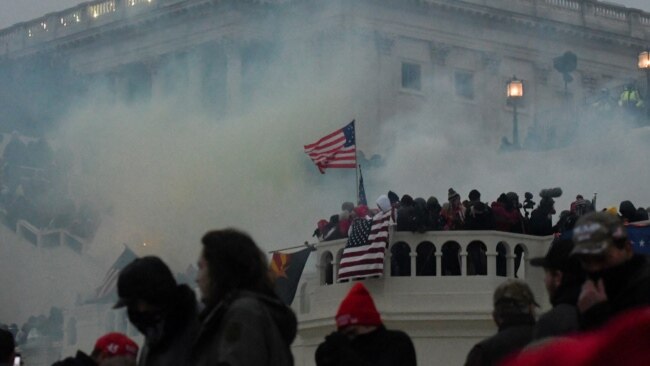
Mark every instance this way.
x=59 y=25
x=432 y=275
x=445 y=253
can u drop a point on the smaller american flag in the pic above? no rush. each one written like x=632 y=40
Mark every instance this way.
x=363 y=255
x=109 y=285
x=336 y=150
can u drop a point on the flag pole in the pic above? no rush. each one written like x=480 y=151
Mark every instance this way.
x=356 y=160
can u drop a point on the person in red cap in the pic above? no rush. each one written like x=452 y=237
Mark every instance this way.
x=361 y=338
x=112 y=346
x=115 y=345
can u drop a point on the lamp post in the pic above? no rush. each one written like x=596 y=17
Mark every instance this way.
x=644 y=64
x=514 y=92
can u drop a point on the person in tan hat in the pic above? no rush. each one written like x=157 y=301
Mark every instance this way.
x=514 y=314
x=361 y=338
x=618 y=279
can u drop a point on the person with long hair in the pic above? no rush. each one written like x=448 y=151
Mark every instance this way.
x=244 y=322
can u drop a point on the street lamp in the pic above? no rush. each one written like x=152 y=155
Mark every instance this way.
x=644 y=64
x=514 y=92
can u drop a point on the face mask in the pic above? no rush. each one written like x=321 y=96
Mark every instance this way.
x=148 y=323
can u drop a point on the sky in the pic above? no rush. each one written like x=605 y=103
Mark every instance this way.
x=16 y=11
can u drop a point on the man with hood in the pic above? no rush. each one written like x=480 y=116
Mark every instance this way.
x=618 y=279
x=244 y=322
x=361 y=338
x=163 y=311
x=563 y=278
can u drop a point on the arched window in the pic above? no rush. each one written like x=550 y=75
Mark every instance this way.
x=476 y=259
x=451 y=259
x=400 y=260
x=327 y=270
x=502 y=259
x=426 y=259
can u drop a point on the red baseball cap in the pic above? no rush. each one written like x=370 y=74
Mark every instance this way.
x=116 y=344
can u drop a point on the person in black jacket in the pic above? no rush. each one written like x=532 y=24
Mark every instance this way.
x=514 y=314
x=563 y=278
x=362 y=339
x=164 y=312
x=618 y=280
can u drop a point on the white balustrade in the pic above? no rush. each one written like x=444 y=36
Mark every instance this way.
x=499 y=247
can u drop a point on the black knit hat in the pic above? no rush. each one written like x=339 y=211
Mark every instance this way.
x=147 y=278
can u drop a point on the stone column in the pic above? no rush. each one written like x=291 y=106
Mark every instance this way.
x=414 y=257
x=510 y=265
x=491 y=261
x=463 y=263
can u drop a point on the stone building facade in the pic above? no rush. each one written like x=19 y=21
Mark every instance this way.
x=452 y=57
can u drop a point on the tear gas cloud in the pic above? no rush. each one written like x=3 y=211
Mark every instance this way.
x=168 y=168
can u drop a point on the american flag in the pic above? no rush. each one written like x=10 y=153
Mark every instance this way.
x=336 y=150
x=363 y=255
x=109 y=285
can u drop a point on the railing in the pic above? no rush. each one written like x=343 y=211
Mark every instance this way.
x=565 y=4
x=49 y=237
x=445 y=253
x=610 y=12
x=115 y=9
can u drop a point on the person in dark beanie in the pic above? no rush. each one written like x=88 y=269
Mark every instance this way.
x=563 y=278
x=618 y=279
x=361 y=338
x=163 y=311
x=514 y=314
x=7 y=348
x=244 y=322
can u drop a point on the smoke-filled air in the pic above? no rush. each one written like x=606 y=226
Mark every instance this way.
x=163 y=166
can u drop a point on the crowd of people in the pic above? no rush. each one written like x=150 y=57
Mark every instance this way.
x=35 y=187
x=599 y=290
x=592 y=277
x=503 y=214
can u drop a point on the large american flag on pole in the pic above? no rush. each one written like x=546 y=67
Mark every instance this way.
x=336 y=150
x=363 y=255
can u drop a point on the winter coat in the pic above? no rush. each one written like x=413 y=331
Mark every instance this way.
x=246 y=329
x=513 y=335
x=564 y=318
x=180 y=325
x=381 y=347
x=627 y=286
x=505 y=219
x=540 y=223
x=479 y=217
